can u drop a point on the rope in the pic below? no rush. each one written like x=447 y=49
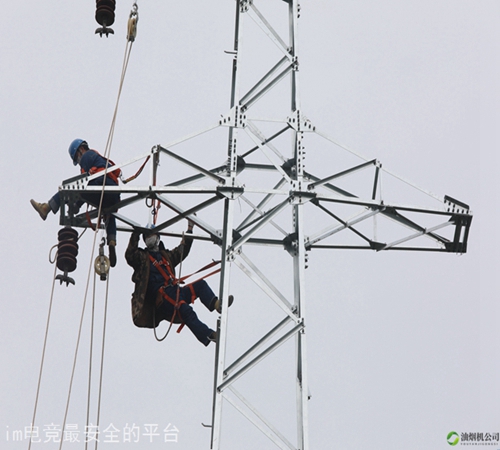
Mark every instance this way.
x=102 y=357
x=169 y=327
x=90 y=357
x=78 y=341
x=132 y=31
x=133 y=177
x=176 y=299
x=107 y=152
x=43 y=355
x=131 y=34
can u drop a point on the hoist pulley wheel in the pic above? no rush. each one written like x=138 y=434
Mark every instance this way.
x=102 y=263
x=101 y=266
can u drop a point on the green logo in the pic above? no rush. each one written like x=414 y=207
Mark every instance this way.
x=453 y=438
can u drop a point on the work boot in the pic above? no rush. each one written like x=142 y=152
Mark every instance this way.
x=218 y=303
x=42 y=208
x=112 y=253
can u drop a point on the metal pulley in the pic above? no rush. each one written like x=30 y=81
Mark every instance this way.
x=105 y=16
x=132 y=23
x=101 y=263
x=67 y=250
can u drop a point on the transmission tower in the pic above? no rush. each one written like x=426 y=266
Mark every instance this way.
x=260 y=205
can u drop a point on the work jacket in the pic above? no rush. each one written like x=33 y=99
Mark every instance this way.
x=92 y=162
x=138 y=258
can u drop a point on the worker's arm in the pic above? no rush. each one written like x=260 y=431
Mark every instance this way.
x=133 y=253
x=181 y=251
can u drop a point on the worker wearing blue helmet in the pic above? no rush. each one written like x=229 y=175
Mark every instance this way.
x=90 y=162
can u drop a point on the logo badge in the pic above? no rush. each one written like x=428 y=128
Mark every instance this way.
x=452 y=438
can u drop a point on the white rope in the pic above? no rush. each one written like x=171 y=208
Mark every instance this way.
x=413 y=185
x=107 y=152
x=90 y=357
x=78 y=342
x=102 y=357
x=43 y=356
x=176 y=311
x=132 y=30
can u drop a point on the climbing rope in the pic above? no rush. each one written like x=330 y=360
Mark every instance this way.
x=77 y=344
x=90 y=358
x=102 y=358
x=176 y=306
x=131 y=34
x=132 y=30
x=33 y=420
x=47 y=326
x=99 y=395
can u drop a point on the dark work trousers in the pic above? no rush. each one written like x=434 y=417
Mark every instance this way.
x=109 y=199
x=187 y=294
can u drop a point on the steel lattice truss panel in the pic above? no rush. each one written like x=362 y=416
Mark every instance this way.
x=351 y=205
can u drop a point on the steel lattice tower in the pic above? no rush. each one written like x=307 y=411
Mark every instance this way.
x=261 y=196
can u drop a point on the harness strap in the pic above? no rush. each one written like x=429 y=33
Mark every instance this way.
x=171 y=280
x=171 y=300
x=111 y=175
x=170 y=277
x=208 y=266
x=87 y=216
x=133 y=177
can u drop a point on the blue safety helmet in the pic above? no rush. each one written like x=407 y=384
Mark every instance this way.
x=73 y=148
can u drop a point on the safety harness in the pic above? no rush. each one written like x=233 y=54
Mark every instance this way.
x=167 y=273
x=114 y=175
x=165 y=270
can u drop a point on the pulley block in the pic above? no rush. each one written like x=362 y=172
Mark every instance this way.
x=101 y=263
x=101 y=266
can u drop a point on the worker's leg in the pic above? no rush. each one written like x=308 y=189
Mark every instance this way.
x=55 y=203
x=187 y=314
x=109 y=199
x=203 y=291
x=197 y=327
x=110 y=222
x=164 y=311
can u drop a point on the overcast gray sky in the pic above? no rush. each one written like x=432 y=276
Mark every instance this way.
x=402 y=347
